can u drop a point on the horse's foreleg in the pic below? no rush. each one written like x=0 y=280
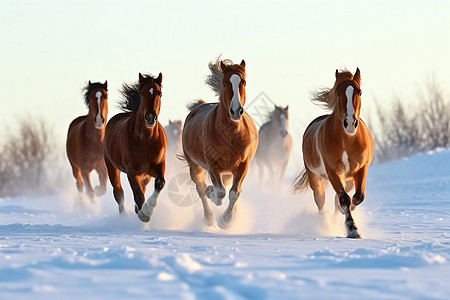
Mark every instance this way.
x=87 y=184
x=102 y=177
x=348 y=187
x=217 y=191
x=345 y=202
x=114 y=178
x=360 y=185
x=150 y=204
x=198 y=177
x=235 y=192
x=77 y=174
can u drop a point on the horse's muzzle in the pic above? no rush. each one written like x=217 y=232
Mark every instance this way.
x=236 y=114
x=150 y=120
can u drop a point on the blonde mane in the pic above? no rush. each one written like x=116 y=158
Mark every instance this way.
x=326 y=97
x=214 y=80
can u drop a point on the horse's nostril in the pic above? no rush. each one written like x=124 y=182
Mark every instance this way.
x=356 y=123
x=231 y=111
x=241 y=111
x=345 y=123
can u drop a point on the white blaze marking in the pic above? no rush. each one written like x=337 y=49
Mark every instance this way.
x=98 y=118
x=349 y=94
x=151 y=91
x=235 y=101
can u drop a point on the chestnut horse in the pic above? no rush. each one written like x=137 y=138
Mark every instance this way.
x=84 y=144
x=221 y=139
x=135 y=143
x=338 y=148
x=275 y=144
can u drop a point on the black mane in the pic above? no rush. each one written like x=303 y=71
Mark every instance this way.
x=88 y=89
x=131 y=96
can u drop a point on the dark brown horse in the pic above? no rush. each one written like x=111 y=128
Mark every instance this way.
x=221 y=139
x=135 y=143
x=84 y=144
x=338 y=148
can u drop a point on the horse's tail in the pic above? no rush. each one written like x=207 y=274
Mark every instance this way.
x=194 y=104
x=301 y=182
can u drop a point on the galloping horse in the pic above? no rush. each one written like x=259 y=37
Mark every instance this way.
x=338 y=148
x=135 y=143
x=275 y=144
x=173 y=131
x=84 y=144
x=221 y=139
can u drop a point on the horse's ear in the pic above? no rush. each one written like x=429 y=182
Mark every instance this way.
x=141 y=78
x=222 y=66
x=336 y=74
x=243 y=64
x=106 y=84
x=170 y=122
x=90 y=83
x=357 y=76
x=287 y=107
x=158 y=80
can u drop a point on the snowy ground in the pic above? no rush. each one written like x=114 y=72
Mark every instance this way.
x=279 y=247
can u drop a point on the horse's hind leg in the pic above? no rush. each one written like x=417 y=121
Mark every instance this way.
x=235 y=192
x=102 y=177
x=198 y=177
x=114 y=178
x=316 y=184
x=87 y=184
x=149 y=206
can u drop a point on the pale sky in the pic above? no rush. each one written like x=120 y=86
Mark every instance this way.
x=50 y=49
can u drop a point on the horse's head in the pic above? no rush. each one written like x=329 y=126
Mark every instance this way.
x=233 y=88
x=280 y=116
x=175 y=128
x=348 y=94
x=96 y=98
x=150 y=91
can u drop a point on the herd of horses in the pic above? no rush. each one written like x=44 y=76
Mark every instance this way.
x=220 y=139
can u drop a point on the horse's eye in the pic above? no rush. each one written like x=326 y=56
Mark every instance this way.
x=360 y=93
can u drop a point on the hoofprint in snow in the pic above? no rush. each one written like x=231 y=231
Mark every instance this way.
x=279 y=247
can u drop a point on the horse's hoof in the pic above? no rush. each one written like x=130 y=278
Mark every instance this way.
x=354 y=234
x=100 y=191
x=209 y=190
x=209 y=221
x=224 y=224
x=143 y=217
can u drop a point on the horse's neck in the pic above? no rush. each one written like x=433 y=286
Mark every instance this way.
x=334 y=128
x=225 y=123
x=91 y=132
x=139 y=126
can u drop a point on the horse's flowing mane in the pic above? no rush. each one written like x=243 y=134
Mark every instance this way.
x=130 y=96
x=214 y=81
x=88 y=88
x=194 y=104
x=327 y=97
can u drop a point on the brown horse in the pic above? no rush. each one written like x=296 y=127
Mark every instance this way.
x=135 y=143
x=338 y=148
x=84 y=144
x=221 y=139
x=275 y=144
